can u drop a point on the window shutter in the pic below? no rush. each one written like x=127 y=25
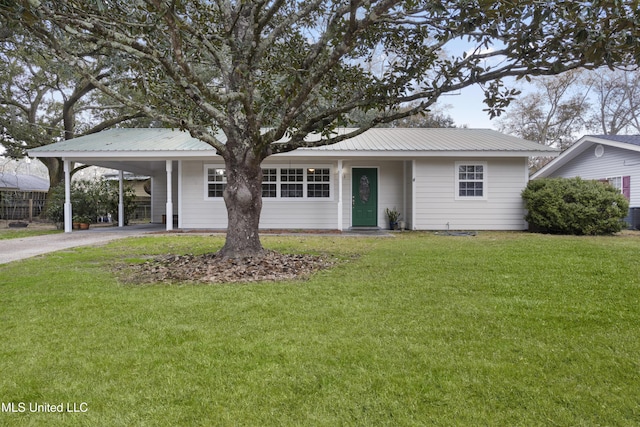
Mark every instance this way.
x=626 y=186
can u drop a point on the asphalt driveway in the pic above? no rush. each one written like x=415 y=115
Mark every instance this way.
x=27 y=247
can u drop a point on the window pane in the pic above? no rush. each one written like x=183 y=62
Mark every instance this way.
x=216 y=175
x=216 y=190
x=318 y=175
x=291 y=190
x=291 y=175
x=269 y=175
x=317 y=190
x=269 y=190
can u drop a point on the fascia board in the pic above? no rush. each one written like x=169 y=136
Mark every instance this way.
x=121 y=155
x=578 y=148
x=413 y=154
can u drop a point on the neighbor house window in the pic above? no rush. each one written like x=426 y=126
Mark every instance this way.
x=216 y=182
x=622 y=183
x=471 y=180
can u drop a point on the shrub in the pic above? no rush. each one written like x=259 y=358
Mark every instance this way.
x=90 y=200
x=574 y=206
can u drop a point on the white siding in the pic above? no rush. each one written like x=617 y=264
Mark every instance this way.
x=434 y=188
x=613 y=162
x=202 y=212
x=437 y=207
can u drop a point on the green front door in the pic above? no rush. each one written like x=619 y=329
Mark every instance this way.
x=364 y=187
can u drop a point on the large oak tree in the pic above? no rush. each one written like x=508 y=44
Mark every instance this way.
x=44 y=100
x=296 y=67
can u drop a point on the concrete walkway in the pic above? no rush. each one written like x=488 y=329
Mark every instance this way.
x=27 y=247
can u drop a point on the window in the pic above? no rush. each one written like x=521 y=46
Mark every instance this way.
x=216 y=182
x=318 y=182
x=471 y=180
x=269 y=183
x=288 y=183
x=291 y=182
x=622 y=183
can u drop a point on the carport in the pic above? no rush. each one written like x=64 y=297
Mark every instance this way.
x=153 y=152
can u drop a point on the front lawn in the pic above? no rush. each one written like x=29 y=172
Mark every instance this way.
x=33 y=229
x=420 y=329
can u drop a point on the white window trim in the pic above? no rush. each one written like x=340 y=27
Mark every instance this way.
x=485 y=180
x=205 y=173
x=304 y=167
x=278 y=198
x=617 y=177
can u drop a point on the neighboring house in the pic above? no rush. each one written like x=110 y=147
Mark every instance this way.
x=437 y=178
x=21 y=196
x=141 y=185
x=611 y=158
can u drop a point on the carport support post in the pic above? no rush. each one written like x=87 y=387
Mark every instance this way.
x=121 y=199
x=68 y=219
x=340 y=225
x=169 y=210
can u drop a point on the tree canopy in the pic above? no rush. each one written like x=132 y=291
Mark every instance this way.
x=297 y=67
x=44 y=100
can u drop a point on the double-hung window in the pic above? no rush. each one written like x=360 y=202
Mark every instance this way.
x=284 y=183
x=471 y=180
x=216 y=181
x=292 y=182
x=621 y=183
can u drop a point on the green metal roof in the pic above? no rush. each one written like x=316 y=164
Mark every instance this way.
x=128 y=140
x=378 y=141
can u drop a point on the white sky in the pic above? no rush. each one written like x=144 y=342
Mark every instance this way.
x=466 y=109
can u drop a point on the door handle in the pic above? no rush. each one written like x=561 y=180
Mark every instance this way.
x=353 y=201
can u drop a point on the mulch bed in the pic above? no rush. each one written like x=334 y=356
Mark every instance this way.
x=212 y=268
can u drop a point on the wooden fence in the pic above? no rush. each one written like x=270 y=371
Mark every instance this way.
x=21 y=205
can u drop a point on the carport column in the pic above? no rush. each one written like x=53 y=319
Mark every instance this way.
x=340 y=195
x=121 y=199
x=68 y=218
x=169 y=210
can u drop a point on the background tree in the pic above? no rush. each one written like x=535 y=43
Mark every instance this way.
x=298 y=66
x=557 y=110
x=552 y=113
x=616 y=106
x=44 y=100
x=435 y=117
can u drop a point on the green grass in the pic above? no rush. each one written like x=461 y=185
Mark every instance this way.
x=502 y=329
x=16 y=233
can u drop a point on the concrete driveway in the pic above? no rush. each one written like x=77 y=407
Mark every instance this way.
x=27 y=247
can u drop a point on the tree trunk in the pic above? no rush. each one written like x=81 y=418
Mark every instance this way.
x=55 y=167
x=243 y=198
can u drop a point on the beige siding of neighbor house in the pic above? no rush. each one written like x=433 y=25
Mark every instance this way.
x=438 y=208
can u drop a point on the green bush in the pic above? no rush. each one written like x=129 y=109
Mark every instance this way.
x=90 y=200
x=574 y=206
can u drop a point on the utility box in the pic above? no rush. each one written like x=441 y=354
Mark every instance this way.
x=633 y=219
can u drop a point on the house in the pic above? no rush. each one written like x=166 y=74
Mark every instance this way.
x=22 y=196
x=611 y=158
x=437 y=178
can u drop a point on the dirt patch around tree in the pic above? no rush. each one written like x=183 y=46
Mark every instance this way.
x=212 y=268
